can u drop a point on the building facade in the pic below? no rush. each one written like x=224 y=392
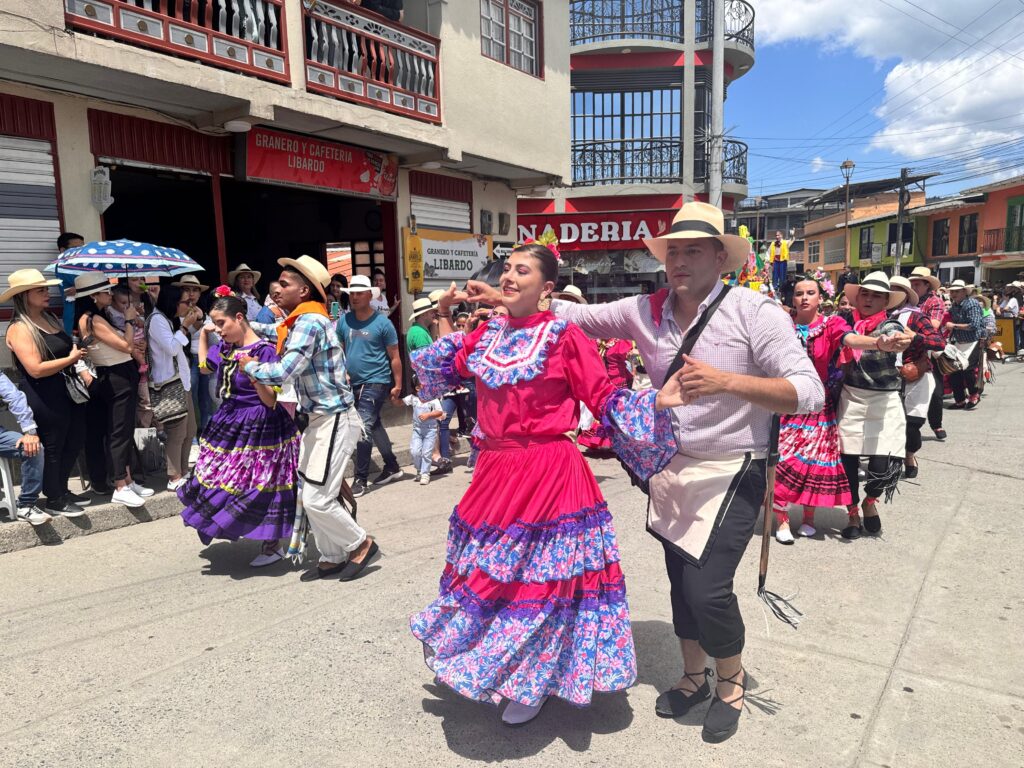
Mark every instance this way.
x=640 y=124
x=784 y=212
x=250 y=131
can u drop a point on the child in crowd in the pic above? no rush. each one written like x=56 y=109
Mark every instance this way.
x=425 y=418
x=122 y=300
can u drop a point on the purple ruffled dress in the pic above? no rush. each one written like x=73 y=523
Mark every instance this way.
x=243 y=483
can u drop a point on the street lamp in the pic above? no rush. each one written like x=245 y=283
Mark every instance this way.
x=847 y=169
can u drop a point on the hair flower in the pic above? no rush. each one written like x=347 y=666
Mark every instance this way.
x=222 y=291
x=549 y=240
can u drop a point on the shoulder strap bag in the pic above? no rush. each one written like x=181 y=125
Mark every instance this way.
x=168 y=400
x=677 y=364
x=77 y=391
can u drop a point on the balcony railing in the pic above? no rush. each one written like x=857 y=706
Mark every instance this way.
x=598 y=21
x=627 y=161
x=739 y=22
x=1005 y=240
x=734 y=162
x=244 y=35
x=359 y=56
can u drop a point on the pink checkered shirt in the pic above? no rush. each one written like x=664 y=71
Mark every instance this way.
x=748 y=334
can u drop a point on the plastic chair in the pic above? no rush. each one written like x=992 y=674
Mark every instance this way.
x=10 y=500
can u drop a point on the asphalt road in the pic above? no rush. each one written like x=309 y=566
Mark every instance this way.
x=141 y=647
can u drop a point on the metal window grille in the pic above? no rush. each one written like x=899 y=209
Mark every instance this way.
x=940 y=237
x=968 y=234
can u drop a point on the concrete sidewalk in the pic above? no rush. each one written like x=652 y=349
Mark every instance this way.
x=104 y=516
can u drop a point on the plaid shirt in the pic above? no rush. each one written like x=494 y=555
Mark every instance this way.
x=876 y=369
x=314 y=359
x=933 y=307
x=967 y=311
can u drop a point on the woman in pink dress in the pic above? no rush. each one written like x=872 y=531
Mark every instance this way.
x=532 y=600
x=810 y=472
x=615 y=353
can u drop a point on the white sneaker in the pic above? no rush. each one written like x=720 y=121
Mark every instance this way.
x=128 y=497
x=807 y=530
x=517 y=714
x=784 y=536
x=262 y=559
x=140 y=491
x=33 y=515
x=424 y=479
x=174 y=485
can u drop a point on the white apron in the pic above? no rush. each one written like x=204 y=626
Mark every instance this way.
x=689 y=501
x=871 y=423
x=917 y=395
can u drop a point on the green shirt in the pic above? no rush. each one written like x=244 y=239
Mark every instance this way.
x=417 y=337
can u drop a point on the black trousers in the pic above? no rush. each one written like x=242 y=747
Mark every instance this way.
x=704 y=606
x=118 y=392
x=62 y=433
x=968 y=379
x=914 y=424
x=935 y=406
x=879 y=468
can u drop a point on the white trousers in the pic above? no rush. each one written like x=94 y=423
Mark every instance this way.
x=335 y=531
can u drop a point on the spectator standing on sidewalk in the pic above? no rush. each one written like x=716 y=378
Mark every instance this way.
x=243 y=279
x=65 y=241
x=424 y=313
x=966 y=328
x=24 y=445
x=46 y=358
x=375 y=374
x=202 y=400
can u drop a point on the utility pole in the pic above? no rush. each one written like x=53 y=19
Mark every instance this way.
x=847 y=169
x=904 y=172
x=717 y=104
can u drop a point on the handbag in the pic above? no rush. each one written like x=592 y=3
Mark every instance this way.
x=169 y=400
x=77 y=391
x=677 y=362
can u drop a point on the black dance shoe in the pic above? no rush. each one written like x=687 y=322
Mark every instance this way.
x=676 y=703
x=723 y=719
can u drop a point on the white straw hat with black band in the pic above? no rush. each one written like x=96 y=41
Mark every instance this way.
x=360 y=284
x=898 y=282
x=190 y=281
x=421 y=307
x=88 y=284
x=701 y=221
x=878 y=282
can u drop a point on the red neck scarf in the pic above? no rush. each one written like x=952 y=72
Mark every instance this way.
x=864 y=326
x=306 y=308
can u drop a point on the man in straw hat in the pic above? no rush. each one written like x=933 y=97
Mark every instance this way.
x=745 y=365
x=966 y=328
x=424 y=312
x=932 y=306
x=312 y=358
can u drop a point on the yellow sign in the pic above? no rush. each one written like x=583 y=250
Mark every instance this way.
x=1004 y=334
x=413 y=261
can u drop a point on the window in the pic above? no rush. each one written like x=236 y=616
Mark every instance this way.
x=835 y=250
x=940 y=237
x=908 y=239
x=367 y=256
x=509 y=33
x=866 y=240
x=813 y=251
x=968 y=234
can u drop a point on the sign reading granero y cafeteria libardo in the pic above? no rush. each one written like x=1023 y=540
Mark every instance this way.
x=277 y=157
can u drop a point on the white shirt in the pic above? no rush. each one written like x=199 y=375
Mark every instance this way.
x=167 y=347
x=381 y=305
x=1010 y=307
x=252 y=306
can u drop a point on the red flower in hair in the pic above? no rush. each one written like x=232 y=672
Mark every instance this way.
x=221 y=291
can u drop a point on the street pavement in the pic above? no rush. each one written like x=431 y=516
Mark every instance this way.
x=141 y=647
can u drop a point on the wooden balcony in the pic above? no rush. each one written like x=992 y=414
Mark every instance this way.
x=358 y=56
x=1004 y=240
x=247 y=36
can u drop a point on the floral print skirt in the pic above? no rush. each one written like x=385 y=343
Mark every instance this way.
x=532 y=600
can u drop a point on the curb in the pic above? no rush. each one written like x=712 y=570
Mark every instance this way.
x=18 y=535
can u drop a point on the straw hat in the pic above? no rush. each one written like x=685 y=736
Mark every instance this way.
x=960 y=285
x=421 y=307
x=360 y=284
x=25 y=280
x=876 y=281
x=90 y=283
x=923 y=273
x=903 y=283
x=309 y=268
x=245 y=268
x=191 y=281
x=571 y=293
x=697 y=221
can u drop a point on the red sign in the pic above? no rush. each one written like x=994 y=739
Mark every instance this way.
x=597 y=231
x=301 y=161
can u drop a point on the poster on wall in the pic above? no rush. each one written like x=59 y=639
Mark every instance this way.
x=302 y=161
x=447 y=256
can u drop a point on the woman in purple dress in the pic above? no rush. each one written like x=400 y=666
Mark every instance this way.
x=243 y=484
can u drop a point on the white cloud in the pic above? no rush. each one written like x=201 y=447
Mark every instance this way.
x=941 y=95
x=817 y=164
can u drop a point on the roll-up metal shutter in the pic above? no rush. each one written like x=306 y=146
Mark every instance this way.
x=29 y=216
x=433 y=213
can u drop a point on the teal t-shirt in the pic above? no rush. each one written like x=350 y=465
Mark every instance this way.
x=366 y=345
x=418 y=337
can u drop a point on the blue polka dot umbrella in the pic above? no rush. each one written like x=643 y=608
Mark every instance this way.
x=120 y=257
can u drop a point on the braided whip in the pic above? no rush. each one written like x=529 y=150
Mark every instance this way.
x=781 y=606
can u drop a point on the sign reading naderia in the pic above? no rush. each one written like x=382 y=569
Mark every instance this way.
x=302 y=161
x=591 y=232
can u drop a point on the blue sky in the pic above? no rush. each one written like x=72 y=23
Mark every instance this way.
x=930 y=84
